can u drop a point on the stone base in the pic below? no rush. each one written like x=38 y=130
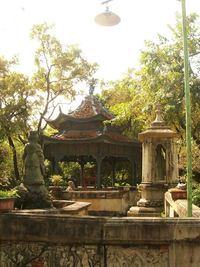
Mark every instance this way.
x=33 y=197
x=145 y=211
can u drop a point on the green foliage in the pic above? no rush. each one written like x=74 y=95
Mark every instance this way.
x=161 y=75
x=59 y=68
x=195 y=158
x=122 y=173
x=14 y=106
x=24 y=103
x=163 y=215
x=8 y=194
x=5 y=164
x=56 y=180
x=196 y=196
x=14 y=110
x=7 y=173
x=126 y=102
x=159 y=79
x=48 y=131
x=120 y=183
x=70 y=171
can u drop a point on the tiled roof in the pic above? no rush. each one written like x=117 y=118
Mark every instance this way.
x=89 y=135
x=73 y=135
x=91 y=107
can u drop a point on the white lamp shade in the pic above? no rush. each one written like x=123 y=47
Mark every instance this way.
x=107 y=18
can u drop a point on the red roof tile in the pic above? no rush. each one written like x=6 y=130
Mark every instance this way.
x=77 y=135
x=90 y=107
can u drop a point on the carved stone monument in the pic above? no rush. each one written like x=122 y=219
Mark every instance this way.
x=159 y=167
x=34 y=169
x=36 y=194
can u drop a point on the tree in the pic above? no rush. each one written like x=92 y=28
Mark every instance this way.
x=161 y=76
x=14 y=106
x=25 y=103
x=159 y=79
x=5 y=165
x=59 y=69
x=124 y=99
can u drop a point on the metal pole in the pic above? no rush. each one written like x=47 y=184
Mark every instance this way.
x=188 y=112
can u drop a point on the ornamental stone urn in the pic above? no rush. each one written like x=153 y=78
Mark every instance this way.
x=159 y=167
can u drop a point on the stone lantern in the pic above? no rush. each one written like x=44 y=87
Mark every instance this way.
x=159 y=167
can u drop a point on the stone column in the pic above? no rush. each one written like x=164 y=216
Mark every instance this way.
x=159 y=167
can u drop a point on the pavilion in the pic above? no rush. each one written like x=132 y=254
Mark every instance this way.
x=83 y=136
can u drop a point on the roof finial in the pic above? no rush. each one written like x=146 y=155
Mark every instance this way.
x=159 y=116
x=92 y=85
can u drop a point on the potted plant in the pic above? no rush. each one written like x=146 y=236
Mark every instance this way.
x=7 y=199
x=56 y=188
x=56 y=180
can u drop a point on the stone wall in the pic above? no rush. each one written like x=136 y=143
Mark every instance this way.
x=108 y=202
x=63 y=240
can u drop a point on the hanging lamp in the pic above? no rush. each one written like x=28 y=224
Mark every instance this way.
x=107 y=18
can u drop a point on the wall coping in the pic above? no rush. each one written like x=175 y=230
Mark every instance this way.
x=111 y=194
x=175 y=198
x=66 y=229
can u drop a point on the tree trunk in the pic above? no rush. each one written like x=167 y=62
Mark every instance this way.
x=15 y=163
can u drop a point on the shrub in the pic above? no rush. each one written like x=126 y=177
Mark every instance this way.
x=56 y=180
x=8 y=194
x=196 y=196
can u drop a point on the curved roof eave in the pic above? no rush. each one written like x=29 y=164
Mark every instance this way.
x=101 y=138
x=64 y=117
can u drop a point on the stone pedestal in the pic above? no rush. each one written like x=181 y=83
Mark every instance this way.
x=144 y=211
x=159 y=168
x=151 y=202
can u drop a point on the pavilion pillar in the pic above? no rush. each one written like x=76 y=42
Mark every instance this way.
x=133 y=179
x=99 y=163
x=134 y=174
x=56 y=168
x=113 y=171
x=82 y=164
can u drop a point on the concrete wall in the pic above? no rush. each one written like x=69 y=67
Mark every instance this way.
x=63 y=240
x=111 y=202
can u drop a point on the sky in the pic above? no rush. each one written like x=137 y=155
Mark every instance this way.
x=115 y=48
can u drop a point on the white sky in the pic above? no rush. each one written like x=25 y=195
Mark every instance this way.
x=115 y=49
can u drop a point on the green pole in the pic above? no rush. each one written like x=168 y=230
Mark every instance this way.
x=188 y=112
